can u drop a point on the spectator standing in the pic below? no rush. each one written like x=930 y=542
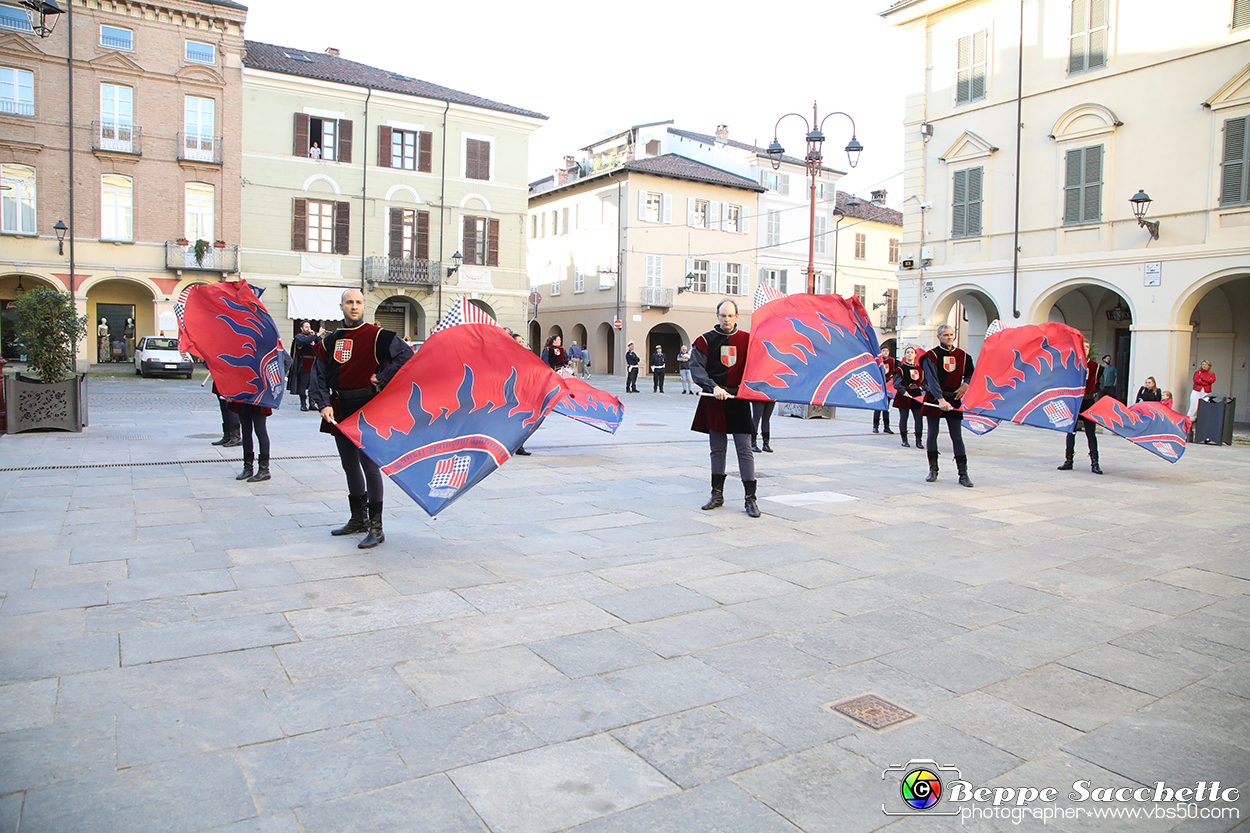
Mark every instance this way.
x=1203 y=380
x=576 y=359
x=1109 y=374
x=555 y=356
x=658 y=364
x=683 y=368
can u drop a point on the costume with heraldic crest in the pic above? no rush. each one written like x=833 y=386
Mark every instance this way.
x=346 y=362
x=908 y=394
x=1093 y=384
x=947 y=372
x=717 y=360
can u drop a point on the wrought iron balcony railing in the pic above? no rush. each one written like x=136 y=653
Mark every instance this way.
x=16 y=107
x=889 y=321
x=404 y=271
x=197 y=147
x=116 y=137
x=181 y=258
x=654 y=296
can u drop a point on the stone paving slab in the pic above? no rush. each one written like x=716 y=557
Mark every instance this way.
x=575 y=645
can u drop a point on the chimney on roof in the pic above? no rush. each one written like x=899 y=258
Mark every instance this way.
x=568 y=173
x=878 y=197
x=722 y=133
x=333 y=52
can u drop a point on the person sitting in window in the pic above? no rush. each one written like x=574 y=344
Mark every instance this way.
x=314 y=152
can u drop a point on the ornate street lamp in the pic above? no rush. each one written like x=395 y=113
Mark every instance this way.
x=60 y=228
x=1141 y=204
x=43 y=15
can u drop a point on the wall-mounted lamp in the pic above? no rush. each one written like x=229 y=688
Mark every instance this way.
x=20 y=290
x=39 y=11
x=1141 y=204
x=689 y=284
x=456 y=260
x=1120 y=313
x=60 y=228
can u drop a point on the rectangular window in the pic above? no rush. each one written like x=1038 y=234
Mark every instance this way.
x=117 y=207
x=1087 y=44
x=774 y=181
x=732 y=218
x=14 y=19
x=821 y=234
x=198 y=52
x=1241 y=14
x=322 y=138
x=699 y=269
x=655 y=271
x=772 y=234
x=17 y=199
x=733 y=278
x=409 y=234
x=776 y=278
x=116 y=118
x=555 y=282
x=861 y=246
x=17 y=92
x=1082 y=186
x=579 y=281
x=199 y=121
x=555 y=222
x=700 y=219
x=320 y=227
x=820 y=190
x=564 y=220
x=1236 y=162
x=971 y=68
x=966 y=203
x=480 y=244
x=117 y=38
x=861 y=293
x=893 y=250
x=477 y=159
x=655 y=207
x=404 y=150
x=198 y=211
x=409 y=150
x=533 y=226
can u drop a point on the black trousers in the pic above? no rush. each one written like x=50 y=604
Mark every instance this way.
x=657 y=381
x=228 y=416
x=631 y=380
x=252 y=419
x=363 y=475
x=761 y=418
x=878 y=416
x=1090 y=438
x=915 y=415
x=954 y=427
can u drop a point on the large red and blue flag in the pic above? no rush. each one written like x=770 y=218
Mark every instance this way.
x=227 y=326
x=590 y=405
x=814 y=350
x=1154 y=427
x=1031 y=375
x=454 y=412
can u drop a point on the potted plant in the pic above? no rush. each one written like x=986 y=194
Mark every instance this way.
x=220 y=244
x=201 y=246
x=182 y=241
x=51 y=394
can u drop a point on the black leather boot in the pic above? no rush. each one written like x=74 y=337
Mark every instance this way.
x=358 y=522
x=919 y=440
x=225 y=434
x=236 y=437
x=375 y=535
x=247 y=468
x=303 y=402
x=905 y=443
x=961 y=463
x=933 y=469
x=1093 y=464
x=262 y=470
x=753 y=508
x=767 y=448
x=756 y=447
x=1067 y=464
x=717 y=500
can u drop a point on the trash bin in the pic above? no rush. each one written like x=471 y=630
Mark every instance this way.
x=1214 y=424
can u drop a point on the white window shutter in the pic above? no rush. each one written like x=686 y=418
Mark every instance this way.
x=689 y=270
x=744 y=220
x=642 y=205
x=713 y=215
x=668 y=208
x=720 y=277
x=690 y=211
x=785 y=185
x=781 y=280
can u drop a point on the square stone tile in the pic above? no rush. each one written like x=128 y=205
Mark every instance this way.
x=199 y=638
x=60 y=752
x=1161 y=597
x=692 y=632
x=741 y=587
x=675 y=684
x=377 y=614
x=1135 y=670
x=574 y=709
x=652 y=602
x=453 y=736
x=458 y=677
x=27 y=705
x=951 y=667
x=715 y=807
x=793 y=714
x=1070 y=697
x=338 y=701
x=146 y=736
x=763 y=662
x=518 y=627
x=338 y=655
x=596 y=652
x=1140 y=747
x=434 y=801
x=550 y=789
x=1012 y=729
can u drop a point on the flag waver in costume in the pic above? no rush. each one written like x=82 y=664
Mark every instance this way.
x=814 y=350
x=454 y=413
x=1031 y=375
x=227 y=326
x=1154 y=427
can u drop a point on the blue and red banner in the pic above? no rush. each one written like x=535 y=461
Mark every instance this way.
x=814 y=350
x=979 y=425
x=227 y=326
x=1154 y=427
x=590 y=405
x=1031 y=375
x=454 y=412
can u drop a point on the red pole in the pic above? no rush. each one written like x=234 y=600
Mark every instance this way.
x=811 y=243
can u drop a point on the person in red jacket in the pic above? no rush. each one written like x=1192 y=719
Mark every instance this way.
x=1203 y=380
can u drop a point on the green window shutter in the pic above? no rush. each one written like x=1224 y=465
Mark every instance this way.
x=1072 y=186
x=1097 y=34
x=1241 y=14
x=1076 y=48
x=963 y=66
x=1091 y=196
x=978 y=66
x=1233 y=189
x=973 y=213
x=959 y=205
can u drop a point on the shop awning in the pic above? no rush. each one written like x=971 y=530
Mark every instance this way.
x=319 y=303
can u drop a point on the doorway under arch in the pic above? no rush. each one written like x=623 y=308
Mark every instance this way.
x=402 y=315
x=536 y=336
x=579 y=335
x=670 y=337
x=969 y=310
x=1221 y=332
x=115 y=300
x=1103 y=316
x=603 y=353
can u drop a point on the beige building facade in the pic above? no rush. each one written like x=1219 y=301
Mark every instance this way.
x=356 y=177
x=157 y=123
x=1110 y=103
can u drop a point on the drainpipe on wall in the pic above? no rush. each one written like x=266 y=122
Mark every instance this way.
x=442 y=207
x=364 y=191
x=1015 y=241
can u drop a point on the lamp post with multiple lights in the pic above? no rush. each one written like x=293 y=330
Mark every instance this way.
x=813 y=160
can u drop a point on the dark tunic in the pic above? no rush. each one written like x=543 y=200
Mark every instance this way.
x=718 y=358
x=944 y=372
x=304 y=350
x=346 y=359
x=908 y=386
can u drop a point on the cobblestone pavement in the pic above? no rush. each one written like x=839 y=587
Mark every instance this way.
x=574 y=645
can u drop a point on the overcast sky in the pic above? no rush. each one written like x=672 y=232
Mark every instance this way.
x=596 y=68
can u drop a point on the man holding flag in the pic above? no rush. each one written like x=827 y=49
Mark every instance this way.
x=353 y=364
x=947 y=373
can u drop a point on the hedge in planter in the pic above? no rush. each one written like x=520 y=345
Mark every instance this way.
x=53 y=396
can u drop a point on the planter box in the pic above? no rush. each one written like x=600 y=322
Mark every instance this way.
x=31 y=405
x=806 y=411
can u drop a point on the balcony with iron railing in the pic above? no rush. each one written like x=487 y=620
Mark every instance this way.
x=16 y=107
x=889 y=321
x=198 y=147
x=116 y=137
x=181 y=258
x=403 y=271
x=655 y=296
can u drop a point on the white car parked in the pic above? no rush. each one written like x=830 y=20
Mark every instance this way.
x=158 y=355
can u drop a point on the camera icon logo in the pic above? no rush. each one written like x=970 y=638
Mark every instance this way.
x=920 y=787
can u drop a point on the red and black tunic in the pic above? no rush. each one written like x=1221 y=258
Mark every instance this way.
x=346 y=361
x=944 y=372
x=718 y=358
x=908 y=386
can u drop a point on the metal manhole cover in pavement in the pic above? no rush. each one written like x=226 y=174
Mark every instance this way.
x=872 y=711
x=216 y=436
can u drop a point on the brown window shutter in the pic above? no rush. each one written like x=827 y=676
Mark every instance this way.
x=492 y=242
x=483 y=161
x=470 y=159
x=384 y=147
x=425 y=151
x=301 y=135
x=342 y=227
x=345 y=140
x=421 y=230
x=470 y=240
x=299 y=226
x=397 y=232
